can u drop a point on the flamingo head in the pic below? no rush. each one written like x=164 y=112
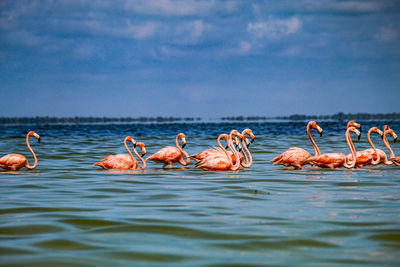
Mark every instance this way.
x=142 y=147
x=376 y=130
x=354 y=130
x=236 y=136
x=353 y=124
x=393 y=134
x=32 y=133
x=249 y=132
x=386 y=127
x=314 y=125
x=182 y=136
x=130 y=139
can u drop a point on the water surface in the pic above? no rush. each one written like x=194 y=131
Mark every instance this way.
x=68 y=212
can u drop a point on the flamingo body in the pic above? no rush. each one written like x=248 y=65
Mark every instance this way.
x=329 y=160
x=167 y=155
x=218 y=162
x=292 y=157
x=119 y=161
x=13 y=162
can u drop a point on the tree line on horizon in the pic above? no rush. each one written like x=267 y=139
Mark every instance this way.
x=61 y=120
x=338 y=116
x=296 y=117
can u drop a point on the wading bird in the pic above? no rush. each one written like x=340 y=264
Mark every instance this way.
x=392 y=158
x=170 y=154
x=222 y=161
x=337 y=160
x=124 y=161
x=17 y=161
x=296 y=156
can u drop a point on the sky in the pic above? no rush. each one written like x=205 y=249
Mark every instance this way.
x=198 y=58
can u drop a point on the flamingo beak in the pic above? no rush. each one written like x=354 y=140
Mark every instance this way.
x=320 y=131
x=183 y=145
x=39 y=140
x=143 y=152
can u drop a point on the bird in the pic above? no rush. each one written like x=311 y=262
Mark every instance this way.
x=220 y=149
x=124 y=161
x=392 y=158
x=222 y=161
x=170 y=154
x=17 y=161
x=337 y=160
x=370 y=156
x=296 y=156
x=248 y=159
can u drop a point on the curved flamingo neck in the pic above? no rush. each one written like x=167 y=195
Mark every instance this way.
x=225 y=136
x=317 y=152
x=386 y=143
x=249 y=160
x=236 y=166
x=130 y=153
x=33 y=154
x=183 y=152
x=139 y=157
x=378 y=158
x=352 y=150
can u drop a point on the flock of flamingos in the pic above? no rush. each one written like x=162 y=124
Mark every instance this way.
x=238 y=155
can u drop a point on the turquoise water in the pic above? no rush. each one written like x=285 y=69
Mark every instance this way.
x=68 y=212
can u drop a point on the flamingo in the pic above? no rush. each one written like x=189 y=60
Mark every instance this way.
x=220 y=149
x=170 y=154
x=222 y=161
x=337 y=160
x=248 y=159
x=211 y=151
x=296 y=156
x=124 y=161
x=392 y=158
x=370 y=156
x=17 y=161
x=353 y=124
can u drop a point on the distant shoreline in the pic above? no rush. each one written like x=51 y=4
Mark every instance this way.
x=296 y=117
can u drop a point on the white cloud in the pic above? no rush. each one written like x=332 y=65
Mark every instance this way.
x=274 y=28
x=386 y=34
x=179 y=7
x=343 y=6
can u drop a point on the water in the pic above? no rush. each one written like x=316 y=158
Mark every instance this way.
x=68 y=212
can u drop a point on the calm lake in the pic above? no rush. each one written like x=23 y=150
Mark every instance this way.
x=68 y=212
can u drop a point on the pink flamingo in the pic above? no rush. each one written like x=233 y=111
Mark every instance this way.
x=222 y=161
x=296 y=156
x=248 y=159
x=370 y=156
x=170 y=154
x=392 y=158
x=124 y=161
x=353 y=124
x=211 y=151
x=337 y=160
x=17 y=161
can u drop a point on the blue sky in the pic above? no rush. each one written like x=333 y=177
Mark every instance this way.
x=203 y=58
